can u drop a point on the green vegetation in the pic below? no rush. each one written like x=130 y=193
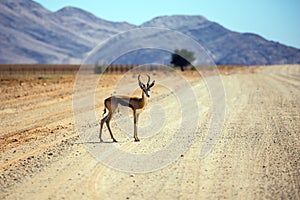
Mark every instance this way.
x=99 y=69
x=182 y=58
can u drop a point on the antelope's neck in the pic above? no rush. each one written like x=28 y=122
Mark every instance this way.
x=144 y=99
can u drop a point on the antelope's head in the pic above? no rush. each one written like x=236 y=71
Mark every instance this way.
x=146 y=88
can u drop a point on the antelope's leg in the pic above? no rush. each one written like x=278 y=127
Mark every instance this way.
x=108 y=127
x=135 y=121
x=111 y=135
x=111 y=108
x=101 y=126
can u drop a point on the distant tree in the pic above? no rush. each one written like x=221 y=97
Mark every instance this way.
x=98 y=68
x=182 y=58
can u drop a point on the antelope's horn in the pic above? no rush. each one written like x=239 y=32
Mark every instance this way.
x=148 y=80
x=140 y=82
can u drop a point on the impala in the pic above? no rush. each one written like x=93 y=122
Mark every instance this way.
x=134 y=103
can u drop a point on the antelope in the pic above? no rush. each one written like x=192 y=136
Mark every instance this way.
x=135 y=103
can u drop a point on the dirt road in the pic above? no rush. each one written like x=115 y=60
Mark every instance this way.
x=255 y=157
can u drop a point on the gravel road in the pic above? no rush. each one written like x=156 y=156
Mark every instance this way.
x=256 y=156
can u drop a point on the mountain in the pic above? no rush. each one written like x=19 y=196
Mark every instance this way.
x=228 y=47
x=29 y=33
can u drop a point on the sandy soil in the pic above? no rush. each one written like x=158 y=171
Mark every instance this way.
x=255 y=157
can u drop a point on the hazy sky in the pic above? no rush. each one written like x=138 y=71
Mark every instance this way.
x=277 y=20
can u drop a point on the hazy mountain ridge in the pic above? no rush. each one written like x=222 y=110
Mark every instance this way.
x=229 y=47
x=35 y=36
x=30 y=33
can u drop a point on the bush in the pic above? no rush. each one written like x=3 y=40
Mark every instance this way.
x=182 y=58
x=99 y=69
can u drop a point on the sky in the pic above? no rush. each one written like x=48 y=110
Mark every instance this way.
x=277 y=20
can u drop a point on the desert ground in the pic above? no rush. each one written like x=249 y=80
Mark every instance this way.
x=255 y=156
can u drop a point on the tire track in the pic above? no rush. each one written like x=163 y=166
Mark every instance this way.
x=40 y=148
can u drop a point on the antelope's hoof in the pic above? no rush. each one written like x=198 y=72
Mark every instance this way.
x=136 y=139
x=101 y=140
x=114 y=140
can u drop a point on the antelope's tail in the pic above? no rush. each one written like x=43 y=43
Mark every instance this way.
x=104 y=111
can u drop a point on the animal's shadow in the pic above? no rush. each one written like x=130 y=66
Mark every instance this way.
x=92 y=142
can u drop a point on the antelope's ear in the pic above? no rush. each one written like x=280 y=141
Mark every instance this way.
x=141 y=85
x=151 y=85
x=140 y=82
